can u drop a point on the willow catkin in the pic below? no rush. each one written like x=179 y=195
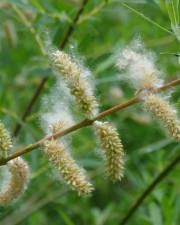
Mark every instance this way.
x=112 y=148
x=67 y=167
x=165 y=113
x=19 y=177
x=76 y=81
x=140 y=65
x=5 y=141
x=57 y=126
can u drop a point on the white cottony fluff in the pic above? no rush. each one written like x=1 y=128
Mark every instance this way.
x=58 y=116
x=17 y=182
x=140 y=66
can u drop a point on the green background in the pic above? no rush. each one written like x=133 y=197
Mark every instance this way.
x=104 y=28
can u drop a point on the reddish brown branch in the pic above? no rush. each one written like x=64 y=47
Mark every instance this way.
x=40 y=87
x=85 y=123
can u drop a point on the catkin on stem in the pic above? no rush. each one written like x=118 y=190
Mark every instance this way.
x=57 y=117
x=140 y=65
x=76 y=81
x=5 y=141
x=67 y=167
x=112 y=148
x=19 y=177
x=165 y=113
x=53 y=121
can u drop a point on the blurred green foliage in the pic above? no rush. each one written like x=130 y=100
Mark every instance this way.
x=30 y=27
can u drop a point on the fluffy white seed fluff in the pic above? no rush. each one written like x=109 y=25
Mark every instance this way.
x=18 y=180
x=77 y=81
x=58 y=117
x=140 y=66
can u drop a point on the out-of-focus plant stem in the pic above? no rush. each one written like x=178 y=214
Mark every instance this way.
x=25 y=21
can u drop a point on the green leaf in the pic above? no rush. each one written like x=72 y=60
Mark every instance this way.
x=173 y=11
x=38 y=5
x=155 y=214
x=161 y=4
x=65 y=218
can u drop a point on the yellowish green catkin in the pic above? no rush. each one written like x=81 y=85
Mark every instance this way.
x=112 y=148
x=165 y=113
x=67 y=167
x=5 y=141
x=76 y=82
x=19 y=177
x=57 y=126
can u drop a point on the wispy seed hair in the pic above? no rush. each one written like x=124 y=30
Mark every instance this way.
x=140 y=66
x=162 y=109
x=57 y=117
x=76 y=81
x=112 y=149
x=19 y=177
x=69 y=170
x=5 y=141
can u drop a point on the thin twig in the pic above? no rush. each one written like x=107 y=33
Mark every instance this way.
x=71 y=28
x=85 y=123
x=40 y=87
x=93 y=12
x=30 y=105
x=149 y=189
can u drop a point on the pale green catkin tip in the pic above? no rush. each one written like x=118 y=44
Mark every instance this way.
x=165 y=113
x=5 y=141
x=77 y=83
x=67 y=167
x=112 y=148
